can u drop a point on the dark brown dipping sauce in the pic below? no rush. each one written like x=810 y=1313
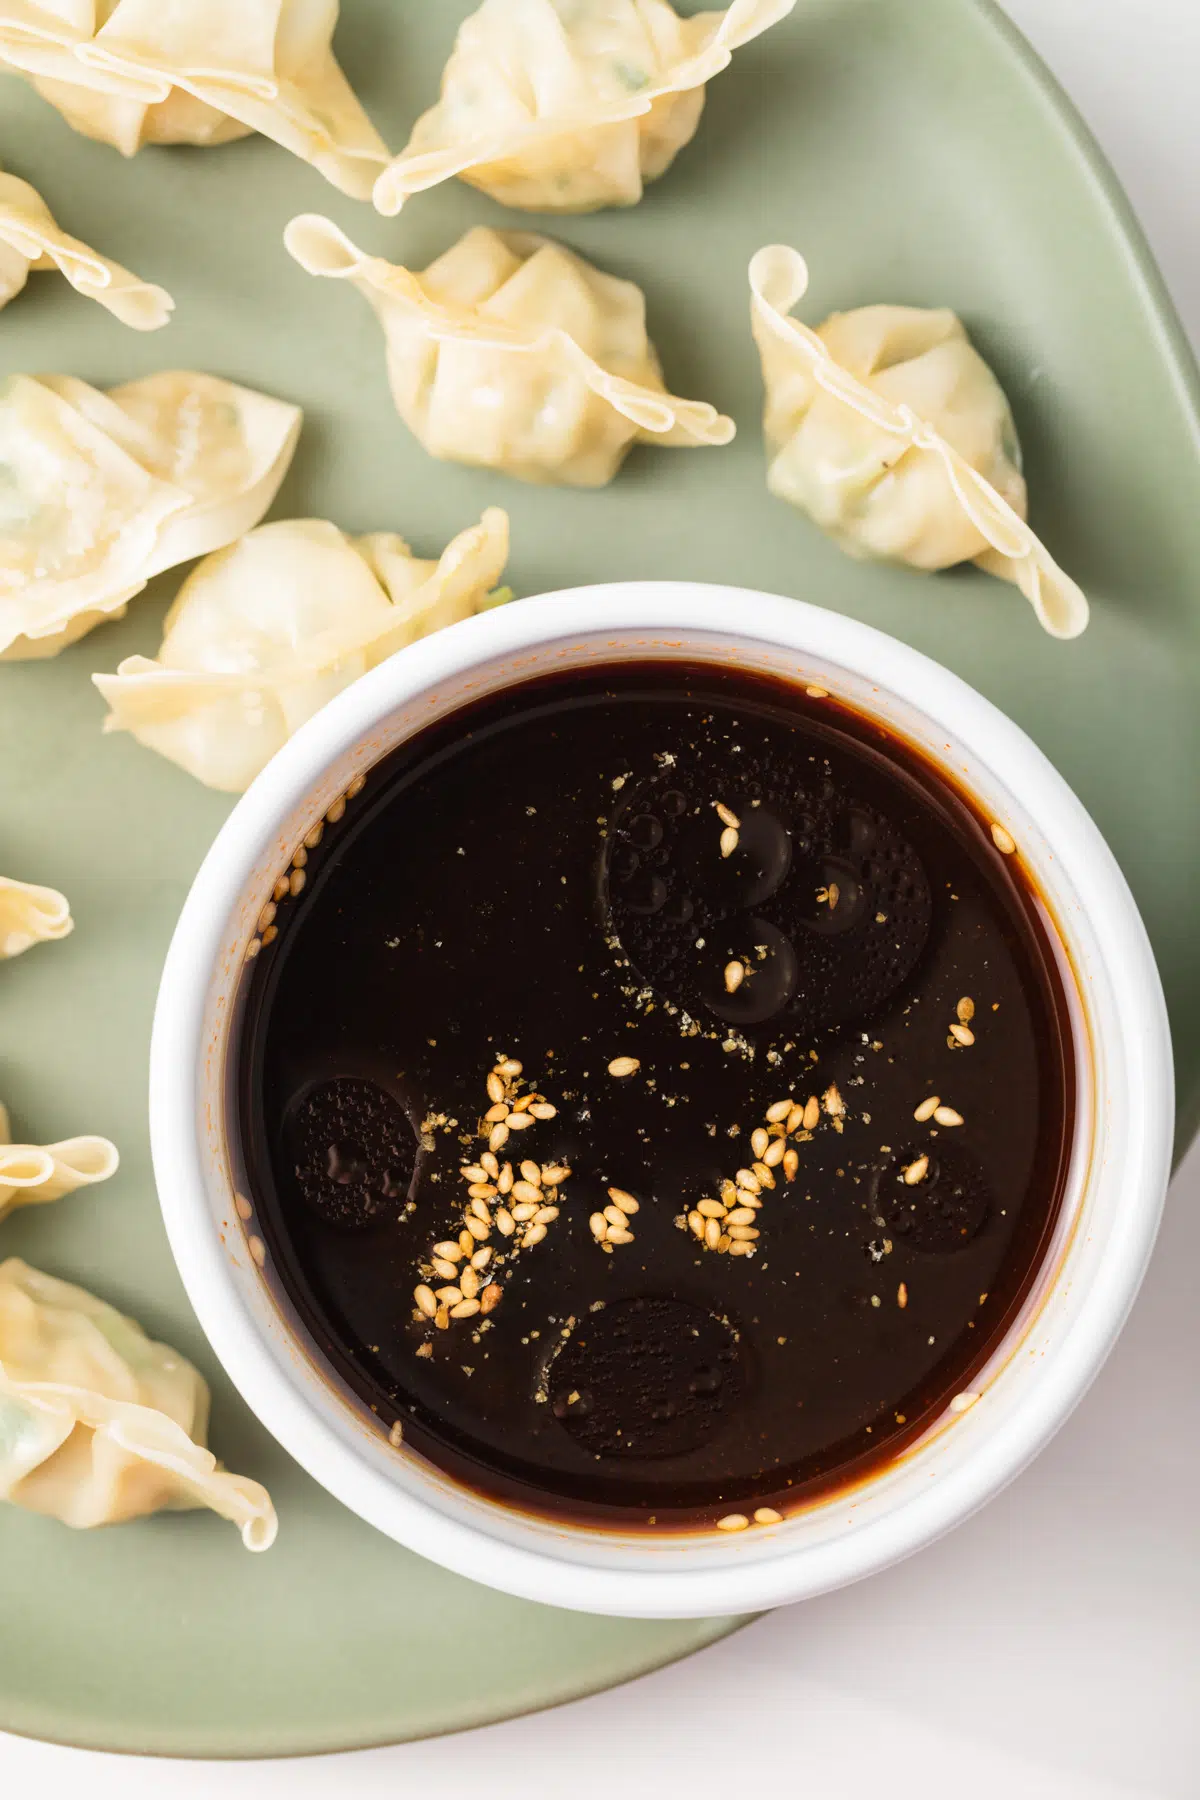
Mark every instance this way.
x=542 y=877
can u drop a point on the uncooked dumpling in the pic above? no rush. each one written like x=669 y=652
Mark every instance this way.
x=33 y=1174
x=261 y=635
x=513 y=353
x=30 y=239
x=888 y=428
x=31 y=915
x=98 y=1424
x=178 y=72
x=102 y=491
x=569 y=105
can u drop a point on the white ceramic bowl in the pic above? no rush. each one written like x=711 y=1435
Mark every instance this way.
x=1120 y=1162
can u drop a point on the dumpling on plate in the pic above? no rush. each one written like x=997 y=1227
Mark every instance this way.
x=31 y=239
x=512 y=353
x=262 y=634
x=31 y=915
x=33 y=1174
x=103 y=490
x=570 y=105
x=157 y=72
x=98 y=1424
x=887 y=427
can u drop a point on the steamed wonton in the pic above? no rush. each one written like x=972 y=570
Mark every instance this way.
x=513 y=353
x=98 y=1424
x=31 y=915
x=161 y=72
x=30 y=239
x=569 y=105
x=102 y=491
x=888 y=428
x=264 y=633
x=32 y=1174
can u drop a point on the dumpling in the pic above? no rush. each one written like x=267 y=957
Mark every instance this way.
x=569 y=105
x=31 y=915
x=32 y=1174
x=262 y=634
x=98 y=1424
x=102 y=491
x=158 y=72
x=30 y=239
x=888 y=428
x=511 y=352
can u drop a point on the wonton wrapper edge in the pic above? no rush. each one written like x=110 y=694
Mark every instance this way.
x=43 y=915
x=31 y=231
x=35 y=1174
x=778 y=280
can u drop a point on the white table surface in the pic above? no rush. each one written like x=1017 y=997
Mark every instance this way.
x=1047 y=1650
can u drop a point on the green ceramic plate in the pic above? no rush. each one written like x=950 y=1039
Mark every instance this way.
x=916 y=153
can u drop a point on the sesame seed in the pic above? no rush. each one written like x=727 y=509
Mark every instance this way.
x=541 y=1109
x=478 y=1228
x=747 y=1179
x=504 y=1181
x=534 y=1235
x=526 y=1192
x=466 y=1243
x=735 y=974
x=466 y=1309
x=1002 y=840
x=396 y=1435
x=545 y=1215
x=965 y=1009
x=425 y=1300
x=498 y=1137
x=927 y=1109
x=733 y=1522
x=766 y=1515
x=441 y=1317
x=740 y=1249
x=946 y=1115
x=335 y=812
x=495 y=1087
x=617 y=1235
x=482 y=1258
x=712 y=1234
x=916 y=1171
x=525 y=1211
x=280 y=888
x=495 y=1114
x=505 y=1223
x=621 y=1066
x=696 y=1223
x=490 y=1298
x=598 y=1226
x=553 y=1174
x=774 y=1153
x=510 y=1068
x=726 y=816
x=253 y=948
x=817 y=693
x=764 y=1175
x=625 y=1201
x=759 y=1141
x=530 y=1173
x=902 y=1295
x=729 y=841
x=519 y=1121
x=615 y=1216
x=812 y=1113
x=524 y=1103
x=267 y=915
x=961 y=1402
x=270 y=934
x=742 y=1234
x=479 y=1210
x=449 y=1296
x=296 y=881
x=741 y=1215
x=469 y=1283
x=476 y=1171
x=442 y=1266
x=314 y=837
x=962 y=1034
x=710 y=1209
x=791 y=1163
x=356 y=787
x=481 y=1190
x=779 y=1110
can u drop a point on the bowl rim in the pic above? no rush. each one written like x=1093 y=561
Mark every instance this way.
x=771 y=623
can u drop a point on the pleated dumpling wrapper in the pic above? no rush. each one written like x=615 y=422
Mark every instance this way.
x=570 y=105
x=31 y=239
x=510 y=352
x=888 y=428
x=98 y=1424
x=185 y=72
x=103 y=491
x=261 y=635
x=31 y=915
x=34 y=1174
